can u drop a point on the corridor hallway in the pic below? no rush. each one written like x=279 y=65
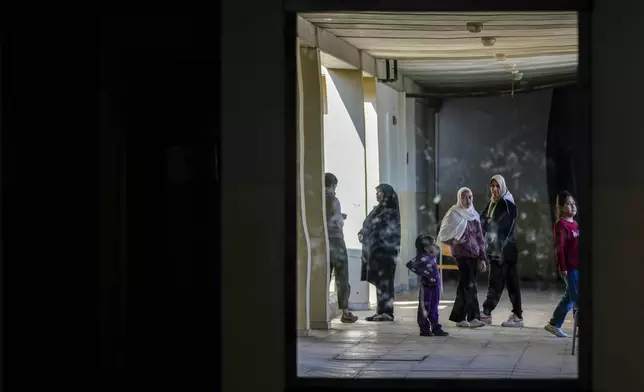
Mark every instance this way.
x=395 y=350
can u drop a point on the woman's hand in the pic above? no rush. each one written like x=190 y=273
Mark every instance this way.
x=482 y=265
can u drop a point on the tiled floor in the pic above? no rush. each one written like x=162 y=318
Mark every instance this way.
x=395 y=350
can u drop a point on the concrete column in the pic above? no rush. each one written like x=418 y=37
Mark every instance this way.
x=313 y=170
x=372 y=146
x=405 y=193
x=344 y=155
x=371 y=140
x=303 y=241
x=391 y=139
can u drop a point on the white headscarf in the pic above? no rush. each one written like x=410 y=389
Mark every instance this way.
x=455 y=221
x=503 y=188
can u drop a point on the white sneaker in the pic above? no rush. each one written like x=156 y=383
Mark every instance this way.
x=476 y=323
x=486 y=319
x=463 y=324
x=555 y=331
x=513 y=321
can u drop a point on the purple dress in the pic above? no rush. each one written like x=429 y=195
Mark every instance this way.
x=429 y=294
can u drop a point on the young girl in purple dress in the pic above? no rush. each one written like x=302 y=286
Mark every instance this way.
x=424 y=265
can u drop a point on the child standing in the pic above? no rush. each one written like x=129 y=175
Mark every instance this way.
x=566 y=235
x=424 y=265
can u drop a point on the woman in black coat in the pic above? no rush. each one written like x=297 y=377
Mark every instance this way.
x=380 y=238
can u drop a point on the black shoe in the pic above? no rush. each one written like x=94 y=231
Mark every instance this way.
x=349 y=318
x=426 y=333
x=371 y=318
x=440 y=332
x=383 y=317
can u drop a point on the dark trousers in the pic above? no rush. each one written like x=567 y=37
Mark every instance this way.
x=385 y=283
x=503 y=273
x=340 y=264
x=466 y=305
x=428 y=299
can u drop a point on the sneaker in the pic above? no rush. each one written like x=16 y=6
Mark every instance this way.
x=440 y=332
x=371 y=318
x=463 y=324
x=348 y=318
x=513 y=321
x=476 y=323
x=555 y=331
x=486 y=318
x=426 y=333
x=384 y=317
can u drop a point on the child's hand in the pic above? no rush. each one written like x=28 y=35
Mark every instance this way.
x=564 y=273
x=482 y=266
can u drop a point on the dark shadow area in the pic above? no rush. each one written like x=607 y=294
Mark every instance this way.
x=565 y=131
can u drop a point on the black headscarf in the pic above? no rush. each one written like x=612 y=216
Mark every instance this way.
x=390 y=198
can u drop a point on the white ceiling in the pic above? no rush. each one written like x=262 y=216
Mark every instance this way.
x=438 y=51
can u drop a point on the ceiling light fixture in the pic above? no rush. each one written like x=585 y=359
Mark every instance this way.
x=500 y=56
x=488 y=41
x=474 y=27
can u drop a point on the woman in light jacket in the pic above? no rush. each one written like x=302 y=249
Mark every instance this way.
x=461 y=230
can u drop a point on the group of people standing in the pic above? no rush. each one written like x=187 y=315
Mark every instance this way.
x=478 y=242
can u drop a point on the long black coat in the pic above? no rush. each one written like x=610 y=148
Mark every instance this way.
x=381 y=241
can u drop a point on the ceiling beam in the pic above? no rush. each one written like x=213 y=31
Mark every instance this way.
x=491 y=90
x=312 y=35
x=336 y=47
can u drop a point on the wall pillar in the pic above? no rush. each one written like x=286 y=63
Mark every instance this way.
x=312 y=144
x=372 y=148
x=406 y=190
x=303 y=240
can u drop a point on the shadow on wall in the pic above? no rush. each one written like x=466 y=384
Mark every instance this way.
x=481 y=137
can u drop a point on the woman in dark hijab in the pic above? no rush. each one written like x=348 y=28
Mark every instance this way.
x=380 y=238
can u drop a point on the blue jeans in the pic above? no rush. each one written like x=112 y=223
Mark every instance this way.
x=569 y=300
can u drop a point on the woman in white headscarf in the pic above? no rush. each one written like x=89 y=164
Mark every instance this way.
x=498 y=221
x=461 y=229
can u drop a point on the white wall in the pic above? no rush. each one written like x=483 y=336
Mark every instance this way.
x=345 y=140
x=344 y=153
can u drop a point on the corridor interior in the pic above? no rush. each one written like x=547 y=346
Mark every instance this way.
x=431 y=102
